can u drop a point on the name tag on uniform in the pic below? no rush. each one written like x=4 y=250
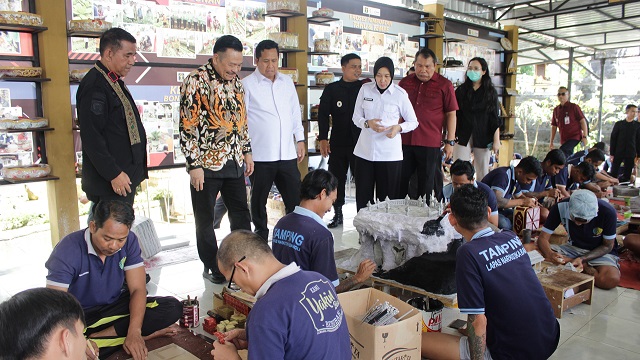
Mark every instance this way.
x=368 y=99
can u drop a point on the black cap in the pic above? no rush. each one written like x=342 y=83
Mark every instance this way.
x=383 y=62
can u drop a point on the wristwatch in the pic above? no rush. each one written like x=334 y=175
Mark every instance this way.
x=450 y=142
x=366 y=124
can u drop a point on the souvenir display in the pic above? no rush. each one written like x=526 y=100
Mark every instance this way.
x=323 y=12
x=26 y=172
x=20 y=71
x=78 y=75
x=292 y=73
x=275 y=5
x=89 y=25
x=18 y=124
x=285 y=40
x=20 y=18
x=324 y=78
x=321 y=45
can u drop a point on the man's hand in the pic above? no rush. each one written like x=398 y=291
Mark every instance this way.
x=393 y=131
x=614 y=181
x=325 y=148
x=121 y=185
x=92 y=351
x=365 y=269
x=551 y=146
x=375 y=125
x=226 y=351
x=577 y=263
x=496 y=147
x=300 y=145
x=554 y=193
x=197 y=178
x=248 y=162
x=238 y=337
x=448 y=151
x=584 y=142
x=558 y=258
x=134 y=345
x=529 y=202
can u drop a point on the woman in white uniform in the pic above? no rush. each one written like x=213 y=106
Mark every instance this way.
x=382 y=111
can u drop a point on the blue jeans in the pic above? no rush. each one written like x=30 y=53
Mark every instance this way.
x=505 y=217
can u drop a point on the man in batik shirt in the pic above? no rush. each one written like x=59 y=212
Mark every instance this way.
x=215 y=141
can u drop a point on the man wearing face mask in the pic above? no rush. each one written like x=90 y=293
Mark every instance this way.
x=273 y=113
x=379 y=151
x=338 y=100
x=215 y=141
x=434 y=102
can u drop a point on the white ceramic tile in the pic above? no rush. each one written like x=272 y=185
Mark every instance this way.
x=564 y=336
x=624 y=308
x=632 y=293
x=581 y=348
x=613 y=331
x=572 y=322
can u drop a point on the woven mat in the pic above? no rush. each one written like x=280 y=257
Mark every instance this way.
x=629 y=270
x=171 y=257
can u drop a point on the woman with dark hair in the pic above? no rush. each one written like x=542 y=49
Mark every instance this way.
x=477 y=127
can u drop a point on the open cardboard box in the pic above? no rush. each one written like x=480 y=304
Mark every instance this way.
x=401 y=340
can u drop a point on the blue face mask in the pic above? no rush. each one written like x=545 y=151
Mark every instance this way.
x=474 y=75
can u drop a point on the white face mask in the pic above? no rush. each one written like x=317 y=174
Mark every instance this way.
x=474 y=75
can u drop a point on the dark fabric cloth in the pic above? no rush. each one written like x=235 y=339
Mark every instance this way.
x=338 y=100
x=629 y=164
x=572 y=130
x=425 y=161
x=625 y=139
x=106 y=148
x=431 y=101
x=286 y=176
x=475 y=118
x=203 y=202
x=568 y=146
x=160 y=313
x=379 y=175
x=340 y=160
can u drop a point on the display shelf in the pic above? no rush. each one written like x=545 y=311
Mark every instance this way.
x=23 y=79
x=317 y=86
x=290 y=50
x=17 y=58
x=84 y=33
x=322 y=53
x=284 y=13
x=298 y=85
x=321 y=19
x=428 y=36
x=33 y=29
x=506 y=52
x=8 y=131
x=453 y=40
x=23 y=181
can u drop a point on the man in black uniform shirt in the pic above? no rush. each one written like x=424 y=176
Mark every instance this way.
x=114 y=142
x=338 y=100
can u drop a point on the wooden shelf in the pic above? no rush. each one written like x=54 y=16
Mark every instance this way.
x=506 y=52
x=317 y=86
x=322 y=53
x=22 y=181
x=8 y=131
x=23 y=79
x=321 y=19
x=33 y=29
x=453 y=40
x=284 y=13
x=290 y=50
x=298 y=84
x=428 y=36
x=84 y=33
x=501 y=74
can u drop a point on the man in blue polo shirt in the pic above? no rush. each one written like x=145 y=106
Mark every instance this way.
x=297 y=314
x=579 y=175
x=591 y=225
x=543 y=186
x=509 y=315
x=595 y=157
x=302 y=237
x=93 y=264
x=507 y=183
x=462 y=173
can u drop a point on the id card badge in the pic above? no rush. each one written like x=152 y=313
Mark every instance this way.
x=566 y=119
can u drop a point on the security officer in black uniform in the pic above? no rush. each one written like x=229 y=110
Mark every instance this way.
x=338 y=100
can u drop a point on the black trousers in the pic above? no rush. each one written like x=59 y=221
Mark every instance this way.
x=286 y=176
x=203 y=202
x=568 y=146
x=426 y=161
x=379 y=175
x=160 y=313
x=340 y=160
x=629 y=164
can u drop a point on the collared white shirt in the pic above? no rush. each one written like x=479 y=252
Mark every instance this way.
x=273 y=116
x=389 y=106
x=281 y=274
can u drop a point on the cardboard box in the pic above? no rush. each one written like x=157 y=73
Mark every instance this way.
x=526 y=218
x=275 y=210
x=401 y=340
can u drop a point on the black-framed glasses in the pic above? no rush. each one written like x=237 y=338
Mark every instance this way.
x=234 y=271
x=579 y=220
x=562 y=94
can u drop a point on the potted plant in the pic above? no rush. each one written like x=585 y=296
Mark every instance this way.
x=165 y=197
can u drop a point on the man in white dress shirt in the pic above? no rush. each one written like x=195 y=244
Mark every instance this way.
x=277 y=135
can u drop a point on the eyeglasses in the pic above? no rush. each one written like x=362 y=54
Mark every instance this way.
x=579 y=220
x=234 y=271
x=562 y=94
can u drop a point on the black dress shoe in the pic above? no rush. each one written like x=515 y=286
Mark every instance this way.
x=214 y=277
x=337 y=221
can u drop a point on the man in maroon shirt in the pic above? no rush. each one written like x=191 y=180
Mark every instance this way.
x=568 y=117
x=434 y=101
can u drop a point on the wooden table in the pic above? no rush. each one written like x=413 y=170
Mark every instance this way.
x=555 y=286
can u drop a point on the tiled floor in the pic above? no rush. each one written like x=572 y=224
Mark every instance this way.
x=609 y=328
